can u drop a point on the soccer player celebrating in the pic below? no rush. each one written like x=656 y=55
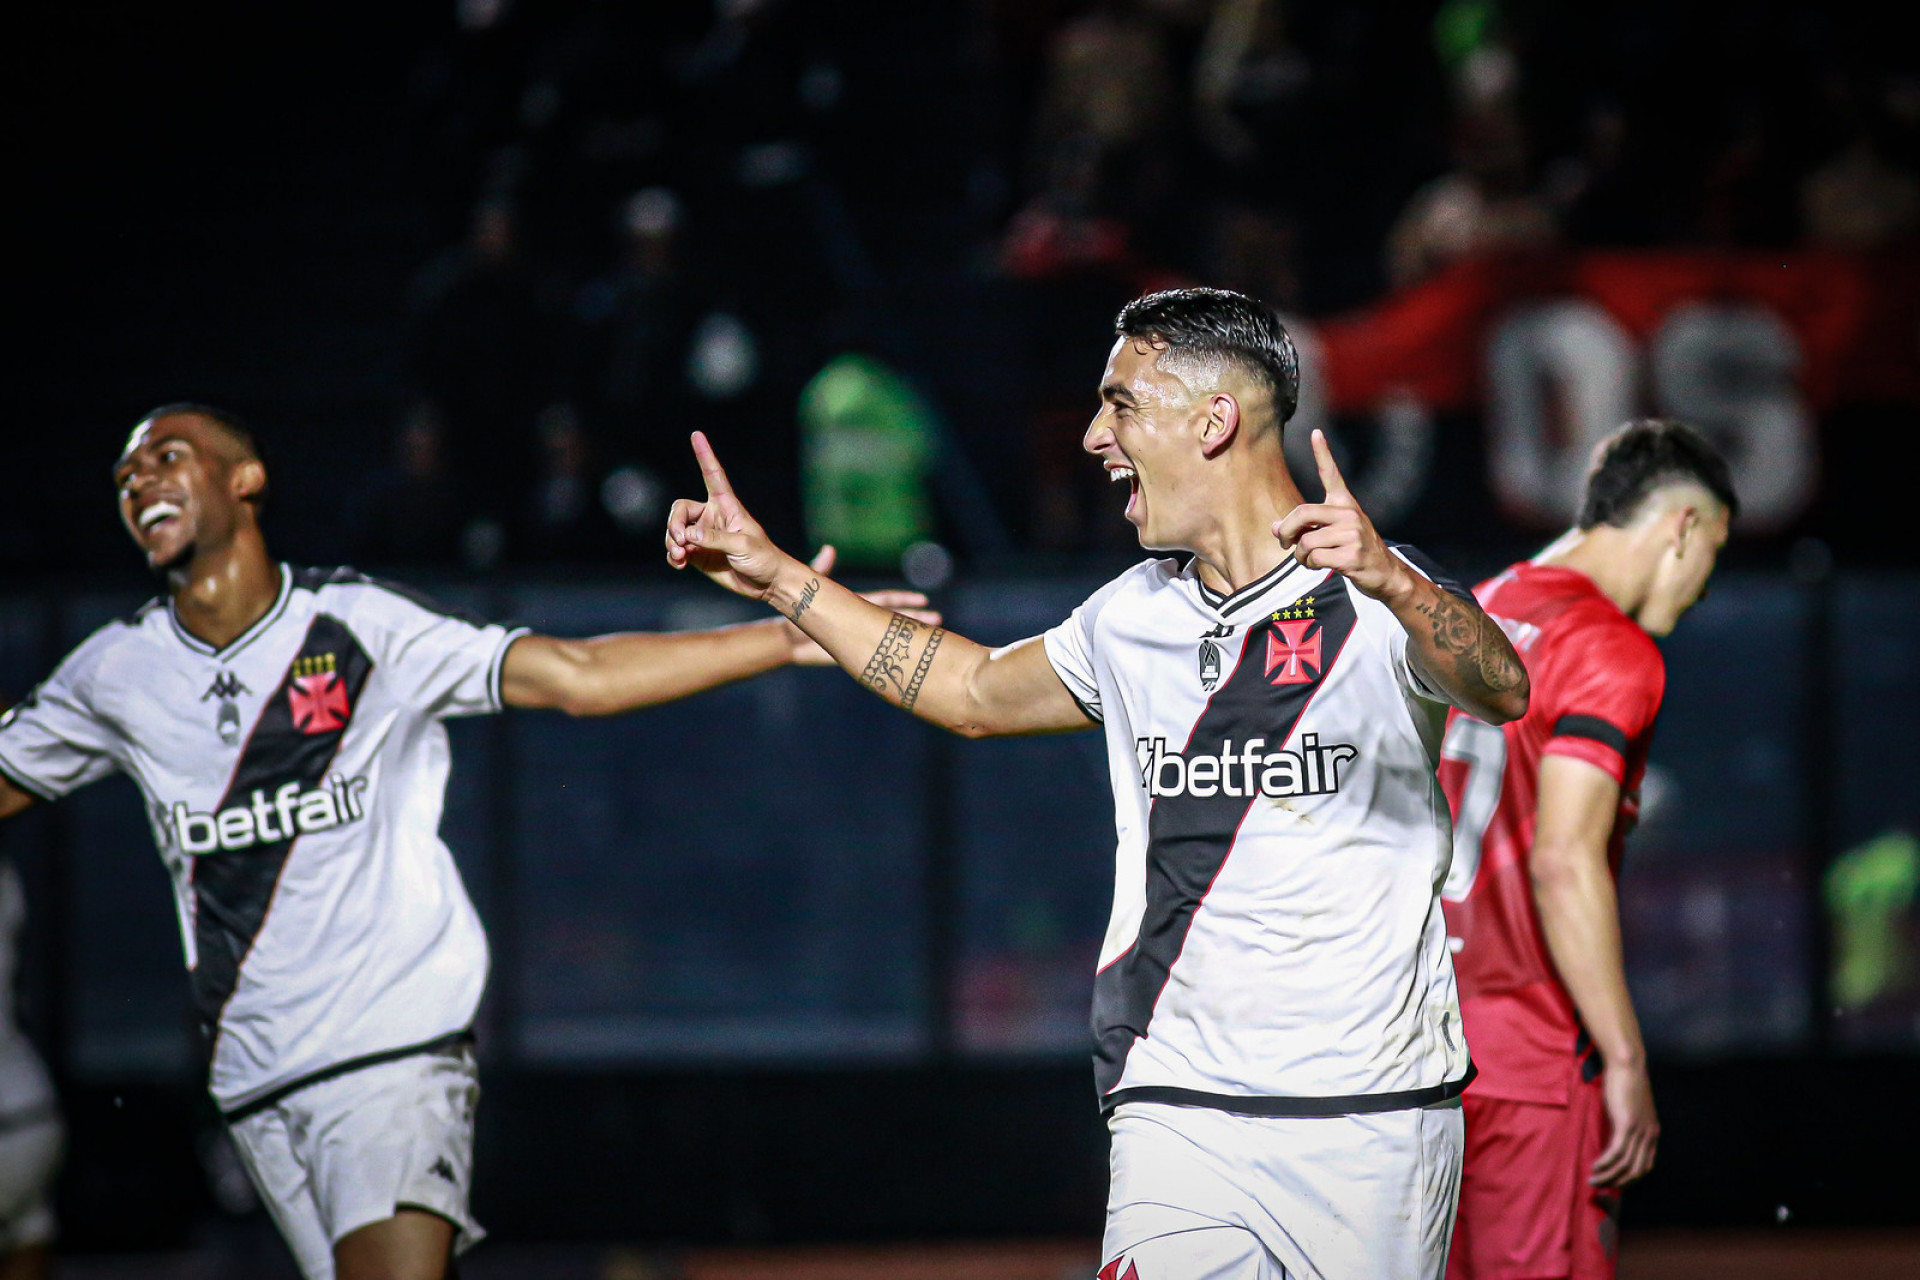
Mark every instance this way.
x=1278 y=1041
x=1561 y=1115
x=284 y=726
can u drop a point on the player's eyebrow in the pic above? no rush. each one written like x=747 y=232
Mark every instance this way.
x=1115 y=393
x=126 y=459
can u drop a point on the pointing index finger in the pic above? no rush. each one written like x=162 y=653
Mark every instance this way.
x=710 y=469
x=1330 y=477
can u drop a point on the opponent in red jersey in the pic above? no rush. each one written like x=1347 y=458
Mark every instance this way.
x=1561 y=1116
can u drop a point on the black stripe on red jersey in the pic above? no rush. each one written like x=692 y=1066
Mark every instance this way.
x=1592 y=728
x=1352 y=1104
x=233 y=888
x=1189 y=837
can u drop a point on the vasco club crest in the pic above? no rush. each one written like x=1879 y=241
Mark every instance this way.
x=316 y=696
x=1293 y=645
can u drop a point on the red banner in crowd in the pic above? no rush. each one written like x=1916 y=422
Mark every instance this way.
x=1855 y=320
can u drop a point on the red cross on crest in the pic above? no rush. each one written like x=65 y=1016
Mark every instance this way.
x=1112 y=1270
x=1290 y=650
x=318 y=703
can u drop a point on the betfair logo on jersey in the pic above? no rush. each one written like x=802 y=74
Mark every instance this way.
x=1308 y=770
x=290 y=812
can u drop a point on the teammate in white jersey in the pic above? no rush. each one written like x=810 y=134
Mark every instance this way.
x=285 y=729
x=1278 y=1040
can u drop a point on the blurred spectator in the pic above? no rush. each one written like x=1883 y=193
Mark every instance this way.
x=407 y=511
x=1483 y=206
x=1102 y=162
x=1256 y=253
x=1865 y=197
x=484 y=351
x=1247 y=71
x=867 y=445
x=637 y=325
x=1599 y=203
x=564 y=519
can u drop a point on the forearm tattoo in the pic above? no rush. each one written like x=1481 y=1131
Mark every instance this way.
x=886 y=672
x=805 y=602
x=1483 y=660
x=911 y=694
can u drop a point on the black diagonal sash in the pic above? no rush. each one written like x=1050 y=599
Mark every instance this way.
x=1189 y=837
x=294 y=741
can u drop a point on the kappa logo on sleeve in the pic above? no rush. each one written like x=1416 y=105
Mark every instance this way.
x=1112 y=1270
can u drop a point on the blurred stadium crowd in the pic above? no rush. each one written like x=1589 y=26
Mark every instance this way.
x=664 y=215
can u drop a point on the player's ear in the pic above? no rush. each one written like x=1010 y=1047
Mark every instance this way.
x=248 y=481
x=1222 y=424
x=1686 y=528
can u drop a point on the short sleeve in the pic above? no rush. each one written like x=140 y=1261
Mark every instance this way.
x=1428 y=568
x=1071 y=647
x=447 y=661
x=52 y=743
x=1603 y=686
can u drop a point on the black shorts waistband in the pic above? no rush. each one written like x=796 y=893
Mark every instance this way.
x=275 y=1096
x=1354 y=1104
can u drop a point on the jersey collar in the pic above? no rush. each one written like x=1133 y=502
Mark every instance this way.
x=246 y=637
x=1283 y=573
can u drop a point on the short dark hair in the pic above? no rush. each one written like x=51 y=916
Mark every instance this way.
x=1220 y=322
x=1642 y=456
x=230 y=424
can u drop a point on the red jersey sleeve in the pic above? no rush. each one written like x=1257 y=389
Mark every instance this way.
x=1603 y=685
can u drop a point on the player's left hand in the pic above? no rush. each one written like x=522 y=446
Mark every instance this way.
x=1336 y=534
x=1633 y=1128
x=808 y=654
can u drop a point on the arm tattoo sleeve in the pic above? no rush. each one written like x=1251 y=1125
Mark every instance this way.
x=886 y=672
x=1482 y=658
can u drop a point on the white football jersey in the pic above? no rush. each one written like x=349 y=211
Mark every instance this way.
x=1276 y=945
x=294 y=782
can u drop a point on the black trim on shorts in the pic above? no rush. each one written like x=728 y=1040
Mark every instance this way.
x=274 y=1097
x=1355 y=1104
x=1592 y=728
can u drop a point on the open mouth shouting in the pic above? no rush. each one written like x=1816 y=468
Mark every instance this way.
x=1119 y=472
x=157 y=514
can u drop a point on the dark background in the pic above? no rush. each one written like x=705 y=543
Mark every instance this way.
x=841 y=993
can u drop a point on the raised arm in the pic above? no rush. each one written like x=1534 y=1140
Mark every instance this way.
x=918 y=666
x=1580 y=918
x=609 y=674
x=1460 y=651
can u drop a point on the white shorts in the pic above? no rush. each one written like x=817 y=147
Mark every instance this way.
x=1199 y=1194
x=339 y=1154
x=30 y=1147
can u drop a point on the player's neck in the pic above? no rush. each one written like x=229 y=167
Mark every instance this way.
x=221 y=592
x=1238 y=548
x=1606 y=555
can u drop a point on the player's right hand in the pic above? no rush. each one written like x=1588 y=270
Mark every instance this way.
x=718 y=537
x=1633 y=1129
